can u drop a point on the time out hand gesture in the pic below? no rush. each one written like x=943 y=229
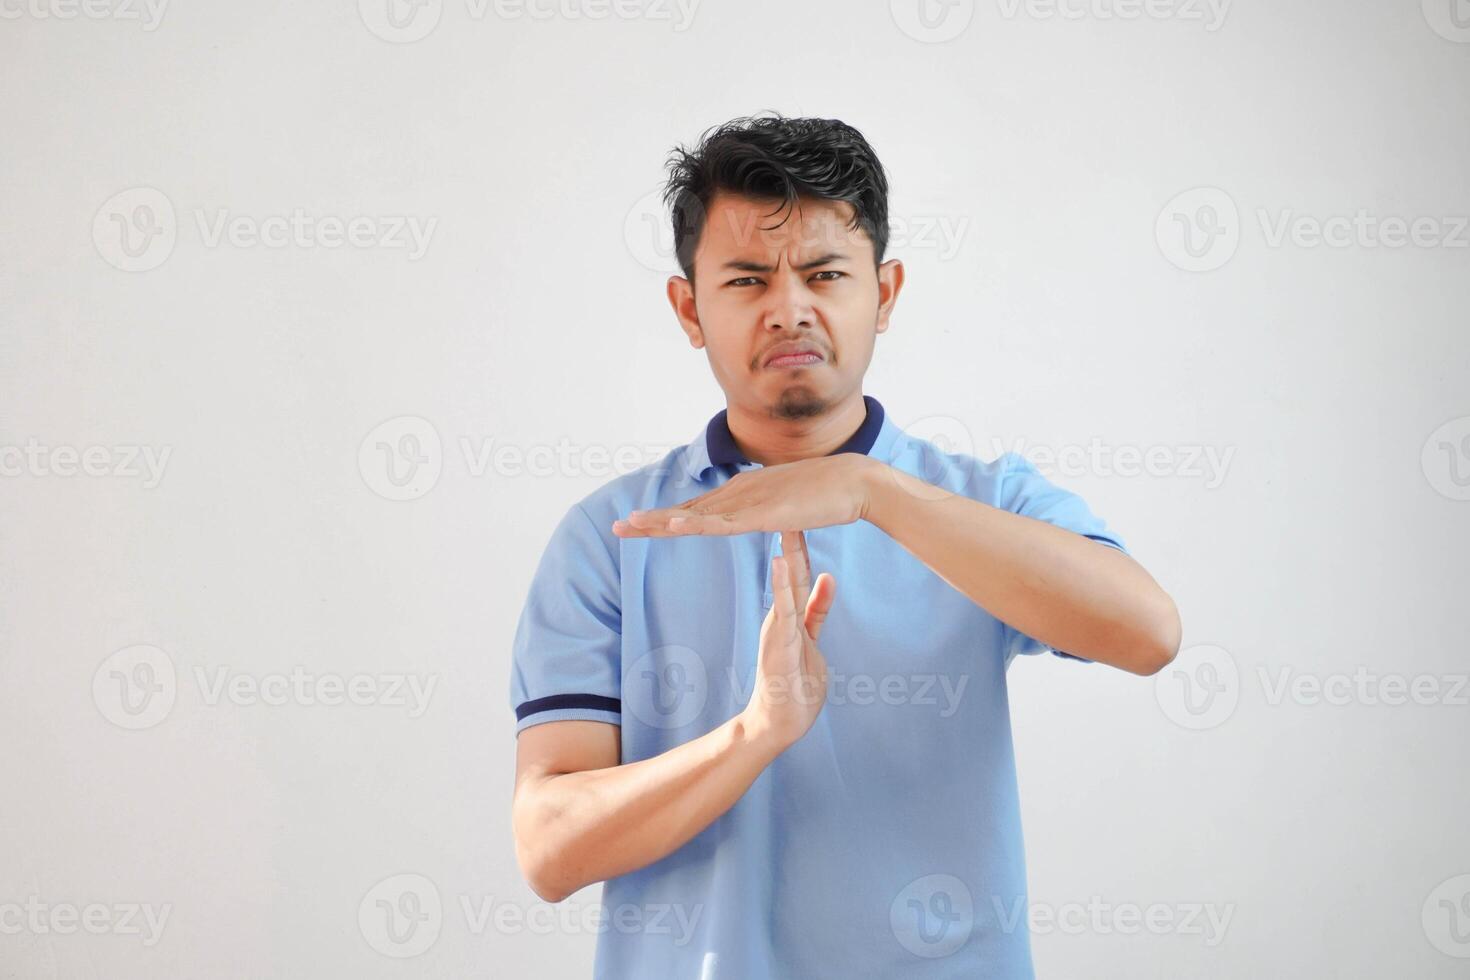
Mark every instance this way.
x=791 y=673
x=804 y=494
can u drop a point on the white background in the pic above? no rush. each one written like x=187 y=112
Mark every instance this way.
x=1333 y=542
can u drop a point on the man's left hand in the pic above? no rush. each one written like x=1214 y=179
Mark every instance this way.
x=796 y=496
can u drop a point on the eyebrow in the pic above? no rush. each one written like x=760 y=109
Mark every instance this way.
x=744 y=265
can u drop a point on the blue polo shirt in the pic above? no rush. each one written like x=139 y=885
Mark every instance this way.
x=887 y=841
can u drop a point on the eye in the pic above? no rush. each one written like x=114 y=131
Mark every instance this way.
x=834 y=273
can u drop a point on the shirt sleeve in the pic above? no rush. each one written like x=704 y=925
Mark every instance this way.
x=566 y=662
x=1024 y=491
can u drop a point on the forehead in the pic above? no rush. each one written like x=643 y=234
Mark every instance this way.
x=736 y=225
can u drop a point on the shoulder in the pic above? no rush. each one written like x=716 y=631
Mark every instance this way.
x=956 y=470
x=661 y=483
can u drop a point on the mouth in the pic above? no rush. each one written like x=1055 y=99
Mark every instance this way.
x=799 y=360
x=793 y=354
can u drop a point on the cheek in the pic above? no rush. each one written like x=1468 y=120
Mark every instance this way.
x=855 y=349
x=853 y=332
x=726 y=354
x=856 y=304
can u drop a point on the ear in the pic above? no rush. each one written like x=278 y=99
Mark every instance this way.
x=681 y=298
x=890 y=281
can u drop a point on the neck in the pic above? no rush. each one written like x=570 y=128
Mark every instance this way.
x=769 y=441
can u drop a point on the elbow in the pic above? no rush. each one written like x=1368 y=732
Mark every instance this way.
x=539 y=858
x=547 y=891
x=1160 y=643
x=543 y=876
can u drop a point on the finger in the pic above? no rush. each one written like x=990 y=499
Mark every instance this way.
x=739 y=515
x=793 y=546
x=652 y=519
x=659 y=516
x=660 y=524
x=735 y=521
x=813 y=664
x=677 y=527
x=623 y=529
x=784 y=601
x=824 y=593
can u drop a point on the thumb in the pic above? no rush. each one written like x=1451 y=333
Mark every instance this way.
x=819 y=603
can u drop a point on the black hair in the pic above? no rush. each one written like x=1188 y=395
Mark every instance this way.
x=775 y=157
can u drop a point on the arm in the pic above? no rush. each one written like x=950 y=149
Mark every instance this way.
x=1068 y=591
x=1062 y=588
x=580 y=817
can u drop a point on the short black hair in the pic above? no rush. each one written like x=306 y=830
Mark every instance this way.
x=771 y=156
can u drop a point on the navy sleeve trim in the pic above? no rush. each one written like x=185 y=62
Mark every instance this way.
x=596 y=701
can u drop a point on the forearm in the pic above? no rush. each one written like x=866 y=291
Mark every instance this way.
x=576 y=828
x=1062 y=588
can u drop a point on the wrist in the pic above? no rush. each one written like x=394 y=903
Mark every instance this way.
x=875 y=478
x=752 y=730
x=894 y=499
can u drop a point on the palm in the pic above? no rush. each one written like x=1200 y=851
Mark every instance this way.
x=791 y=674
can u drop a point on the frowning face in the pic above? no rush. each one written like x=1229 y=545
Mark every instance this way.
x=787 y=313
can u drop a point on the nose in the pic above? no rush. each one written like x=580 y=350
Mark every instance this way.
x=788 y=303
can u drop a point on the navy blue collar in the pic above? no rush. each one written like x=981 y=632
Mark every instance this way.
x=724 y=452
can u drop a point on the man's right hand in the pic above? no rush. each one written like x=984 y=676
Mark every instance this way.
x=581 y=815
x=791 y=673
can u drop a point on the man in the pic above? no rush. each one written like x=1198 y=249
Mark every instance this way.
x=760 y=806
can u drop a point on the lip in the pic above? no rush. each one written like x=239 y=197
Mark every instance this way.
x=793 y=356
x=794 y=360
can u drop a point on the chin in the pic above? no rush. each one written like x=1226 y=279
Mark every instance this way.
x=800 y=401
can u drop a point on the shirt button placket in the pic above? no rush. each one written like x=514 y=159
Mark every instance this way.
x=771 y=551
